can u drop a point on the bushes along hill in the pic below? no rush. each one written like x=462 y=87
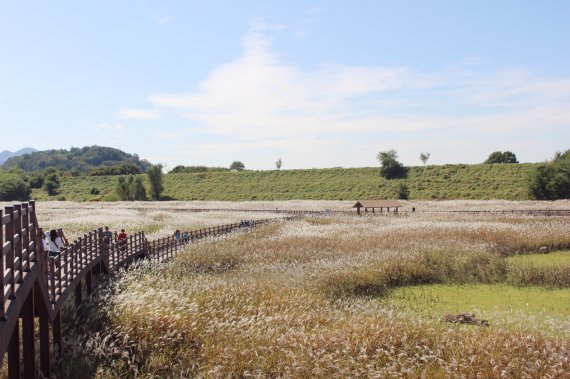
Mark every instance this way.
x=80 y=160
x=481 y=181
x=5 y=155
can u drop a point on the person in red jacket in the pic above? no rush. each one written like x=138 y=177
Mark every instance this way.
x=122 y=239
x=122 y=236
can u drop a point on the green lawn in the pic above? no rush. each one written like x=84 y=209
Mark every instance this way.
x=555 y=259
x=482 y=299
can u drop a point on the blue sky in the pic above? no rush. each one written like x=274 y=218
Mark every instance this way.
x=317 y=84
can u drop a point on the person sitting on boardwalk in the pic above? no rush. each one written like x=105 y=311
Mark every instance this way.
x=55 y=243
x=177 y=235
x=45 y=239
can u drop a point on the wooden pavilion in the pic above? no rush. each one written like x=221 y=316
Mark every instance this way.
x=377 y=204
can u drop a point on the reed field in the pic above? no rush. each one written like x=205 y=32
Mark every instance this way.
x=329 y=296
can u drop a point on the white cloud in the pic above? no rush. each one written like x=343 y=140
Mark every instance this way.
x=162 y=20
x=110 y=126
x=259 y=99
x=139 y=114
x=261 y=25
x=166 y=135
x=314 y=10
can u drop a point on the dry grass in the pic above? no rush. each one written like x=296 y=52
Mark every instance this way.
x=300 y=300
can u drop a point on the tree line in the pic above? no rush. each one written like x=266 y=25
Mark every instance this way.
x=131 y=187
x=549 y=181
x=77 y=160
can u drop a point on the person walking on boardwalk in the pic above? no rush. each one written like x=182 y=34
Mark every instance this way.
x=107 y=235
x=122 y=236
x=122 y=239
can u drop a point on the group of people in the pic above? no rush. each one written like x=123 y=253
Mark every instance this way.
x=109 y=235
x=54 y=240
x=181 y=237
x=245 y=223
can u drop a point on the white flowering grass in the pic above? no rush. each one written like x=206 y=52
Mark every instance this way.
x=301 y=299
x=156 y=219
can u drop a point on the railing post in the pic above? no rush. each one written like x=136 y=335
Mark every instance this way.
x=28 y=341
x=68 y=264
x=14 y=353
x=78 y=293
x=63 y=268
x=84 y=256
x=89 y=281
x=2 y=270
x=131 y=246
x=18 y=246
x=26 y=237
x=56 y=334
x=51 y=276
x=90 y=249
x=38 y=246
x=60 y=270
x=10 y=255
x=44 y=336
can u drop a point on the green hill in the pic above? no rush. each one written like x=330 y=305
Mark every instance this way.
x=481 y=181
x=80 y=160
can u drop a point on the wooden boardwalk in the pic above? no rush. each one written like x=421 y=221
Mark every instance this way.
x=36 y=287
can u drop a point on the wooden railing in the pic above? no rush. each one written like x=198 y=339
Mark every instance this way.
x=36 y=286
x=518 y=212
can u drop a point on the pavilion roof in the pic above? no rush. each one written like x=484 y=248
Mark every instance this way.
x=377 y=204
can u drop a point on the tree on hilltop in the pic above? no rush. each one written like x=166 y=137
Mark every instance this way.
x=424 y=157
x=237 y=165
x=390 y=168
x=501 y=157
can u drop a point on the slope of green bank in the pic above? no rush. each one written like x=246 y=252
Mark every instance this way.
x=482 y=181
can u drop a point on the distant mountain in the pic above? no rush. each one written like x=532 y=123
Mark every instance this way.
x=5 y=155
x=76 y=159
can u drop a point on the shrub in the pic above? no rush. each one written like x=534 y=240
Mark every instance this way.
x=14 y=188
x=403 y=192
x=130 y=188
x=551 y=181
x=51 y=184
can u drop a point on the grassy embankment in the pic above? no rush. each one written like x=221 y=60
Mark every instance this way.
x=482 y=181
x=311 y=298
